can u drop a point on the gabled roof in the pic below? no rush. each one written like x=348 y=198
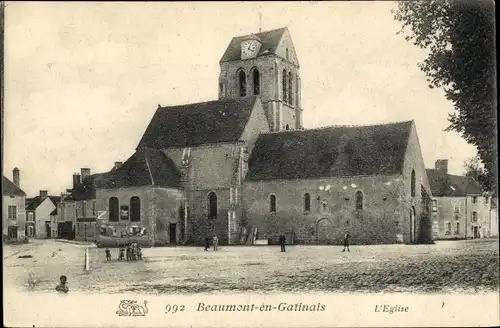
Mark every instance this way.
x=146 y=167
x=447 y=185
x=269 y=39
x=33 y=202
x=331 y=151
x=85 y=190
x=10 y=189
x=200 y=123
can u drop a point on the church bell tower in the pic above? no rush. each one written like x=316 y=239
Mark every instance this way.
x=265 y=64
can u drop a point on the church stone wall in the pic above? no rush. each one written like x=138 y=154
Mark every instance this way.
x=378 y=222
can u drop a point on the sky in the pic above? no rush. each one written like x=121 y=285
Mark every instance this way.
x=83 y=80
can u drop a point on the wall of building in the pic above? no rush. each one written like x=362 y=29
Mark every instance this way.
x=42 y=214
x=159 y=207
x=20 y=221
x=377 y=222
x=414 y=162
x=493 y=232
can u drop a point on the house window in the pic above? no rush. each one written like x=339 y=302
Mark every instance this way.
x=447 y=226
x=135 y=209
x=290 y=88
x=272 y=204
x=474 y=216
x=12 y=212
x=283 y=81
x=457 y=217
x=242 y=83
x=457 y=208
x=93 y=208
x=84 y=209
x=307 y=203
x=434 y=205
x=413 y=183
x=31 y=217
x=474 y=200
x=256 y=82
x=359 y=200
x=31 y=231
x=457 y=228
x=114 y=209
x=212 y=205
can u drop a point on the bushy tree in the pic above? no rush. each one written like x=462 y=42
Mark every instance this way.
x=474 y=168
x=459 y=35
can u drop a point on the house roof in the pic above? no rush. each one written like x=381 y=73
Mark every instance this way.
x=447 y=185
x=269 y=39
x=331 y=151
x=33 y=202
x=85 y=190
x=200 y=123
x=146 y=167
x=10 y=189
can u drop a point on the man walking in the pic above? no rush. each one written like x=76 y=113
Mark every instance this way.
x=282 y=242
x=346 y=241
x=207 y=243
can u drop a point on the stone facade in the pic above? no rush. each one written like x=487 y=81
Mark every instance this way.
x=18 y=222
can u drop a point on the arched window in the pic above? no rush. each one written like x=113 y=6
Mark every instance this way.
x=284 y=78
x=212 y=205
x=359 y=200
x=272 y=204
x=256 y=82
x=307 y=203
x=135 y=209
x=413 y=183
x=447 y=227
x=114 y=209
x=242 y=83
x=287 y=127
x=290 y=88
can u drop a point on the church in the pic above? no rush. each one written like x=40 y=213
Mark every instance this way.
x=243 y=167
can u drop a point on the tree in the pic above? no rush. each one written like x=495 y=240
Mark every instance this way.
x=459 y=35
x=474 y=168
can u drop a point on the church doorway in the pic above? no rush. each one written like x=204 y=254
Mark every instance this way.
x=413 y=226
x=173 y=233
x=325 y=232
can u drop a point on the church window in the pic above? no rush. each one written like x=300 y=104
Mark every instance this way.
x=284 y=78
x=307 y=203
x=359 y=200
x=287 y=127
x=447 y=227
x=113 y=209
x=413 y=182
x=221 y=89
x=242 y=83
x=256 y=82
x=212 y=205
x=135 y=209
x=290 y=88
x=272 y=204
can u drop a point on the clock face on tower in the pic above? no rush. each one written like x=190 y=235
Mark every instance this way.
x=248 y=48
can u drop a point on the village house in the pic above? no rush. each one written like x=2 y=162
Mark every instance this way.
x=493 y=229
x=243 y=167
x=460 y=209
x=13 y=203
x=42 y=215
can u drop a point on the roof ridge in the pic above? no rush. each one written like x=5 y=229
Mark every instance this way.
x=339 y=126
x=209 y=101
x=263 y=32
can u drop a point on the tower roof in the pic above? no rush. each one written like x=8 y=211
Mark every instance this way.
x=269 y=40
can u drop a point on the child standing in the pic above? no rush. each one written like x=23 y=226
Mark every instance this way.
x=108 y=254
x=122 y=254
x=62 y=287
x=216 y=243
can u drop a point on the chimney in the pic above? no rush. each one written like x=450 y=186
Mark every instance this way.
x=118 y=164
x=76 y=180
x=15 y=176
x=85 y=173
x=43 y=195
x=442 y=165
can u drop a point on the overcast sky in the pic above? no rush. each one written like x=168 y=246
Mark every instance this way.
x=83 y=80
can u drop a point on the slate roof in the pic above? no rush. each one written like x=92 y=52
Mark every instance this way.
x=146 y=167
x=33 y=202
x=306 y=154
x=85 y=190
x=269 y=40
x=10 y=189
x=447 y=185
x=200 y=123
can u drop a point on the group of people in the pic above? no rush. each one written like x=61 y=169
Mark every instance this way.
x=282 y=240
x=130 y=252
x=214 y=241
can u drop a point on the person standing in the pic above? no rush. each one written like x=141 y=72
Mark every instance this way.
x=282 y=242
x=139 y=252
x=207 y=243
x=128 y=251
x=121 y=254
x=108 y=254
x=215 y=241
x=346 y=241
